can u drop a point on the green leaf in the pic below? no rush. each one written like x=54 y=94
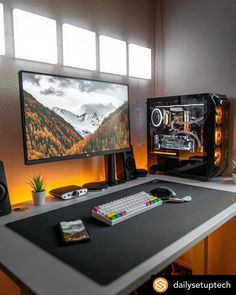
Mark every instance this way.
x=37 y=183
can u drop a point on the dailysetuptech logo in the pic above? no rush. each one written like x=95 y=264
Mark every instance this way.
x=160 y=285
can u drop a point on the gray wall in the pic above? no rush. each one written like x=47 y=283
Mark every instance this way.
x=128 y=20
x=197 y=52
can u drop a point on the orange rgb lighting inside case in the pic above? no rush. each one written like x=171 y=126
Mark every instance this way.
x=219 y=114
x=218 y=156
x=218 y=135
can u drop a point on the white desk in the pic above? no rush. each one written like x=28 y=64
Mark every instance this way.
x=34 y=269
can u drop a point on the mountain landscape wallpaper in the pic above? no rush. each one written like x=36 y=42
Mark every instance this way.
x=68 y=116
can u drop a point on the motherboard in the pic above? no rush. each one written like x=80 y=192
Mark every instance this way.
x=178 y=127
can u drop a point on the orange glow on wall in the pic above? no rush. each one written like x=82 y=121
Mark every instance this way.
x=140 y=154
x=58 y=174
x=22 y=192
x=62 y=173
x=220 y=240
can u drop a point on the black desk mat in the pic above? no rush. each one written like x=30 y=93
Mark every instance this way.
x=115 y=250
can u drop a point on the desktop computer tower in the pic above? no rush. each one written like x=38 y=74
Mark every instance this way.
x=188 y=135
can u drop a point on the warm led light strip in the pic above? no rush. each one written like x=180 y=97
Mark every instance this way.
x=165 y=153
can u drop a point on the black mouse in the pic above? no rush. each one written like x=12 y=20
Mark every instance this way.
x=163 y=192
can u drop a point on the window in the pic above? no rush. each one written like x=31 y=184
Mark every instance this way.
x=2 y=39
x=35 y=37
x=79 y=47
x=113 y=58
x=139 y=61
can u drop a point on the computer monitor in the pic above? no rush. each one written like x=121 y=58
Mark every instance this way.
x=66 y=117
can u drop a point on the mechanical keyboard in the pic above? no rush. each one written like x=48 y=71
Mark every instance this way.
x=124 y=208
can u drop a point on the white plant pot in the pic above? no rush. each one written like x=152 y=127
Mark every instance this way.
x=234 y=177
x=39 y=198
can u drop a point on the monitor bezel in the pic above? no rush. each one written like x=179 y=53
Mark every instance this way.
x=62 y=158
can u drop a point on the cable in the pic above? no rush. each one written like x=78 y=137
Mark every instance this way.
x=176 y=121
x=191 y=134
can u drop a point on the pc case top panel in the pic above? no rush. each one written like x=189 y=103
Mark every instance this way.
x=181 y=135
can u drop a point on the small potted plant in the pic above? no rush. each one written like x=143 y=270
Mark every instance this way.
x=234 y=170
x=38 y=184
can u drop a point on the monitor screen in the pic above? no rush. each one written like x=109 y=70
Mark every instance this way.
x=65 y=117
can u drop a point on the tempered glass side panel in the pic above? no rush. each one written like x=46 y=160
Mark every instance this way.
x=188 y=135
x=176 y=134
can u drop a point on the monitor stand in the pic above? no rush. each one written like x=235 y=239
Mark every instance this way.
x=110 y=170
x=109 y=174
